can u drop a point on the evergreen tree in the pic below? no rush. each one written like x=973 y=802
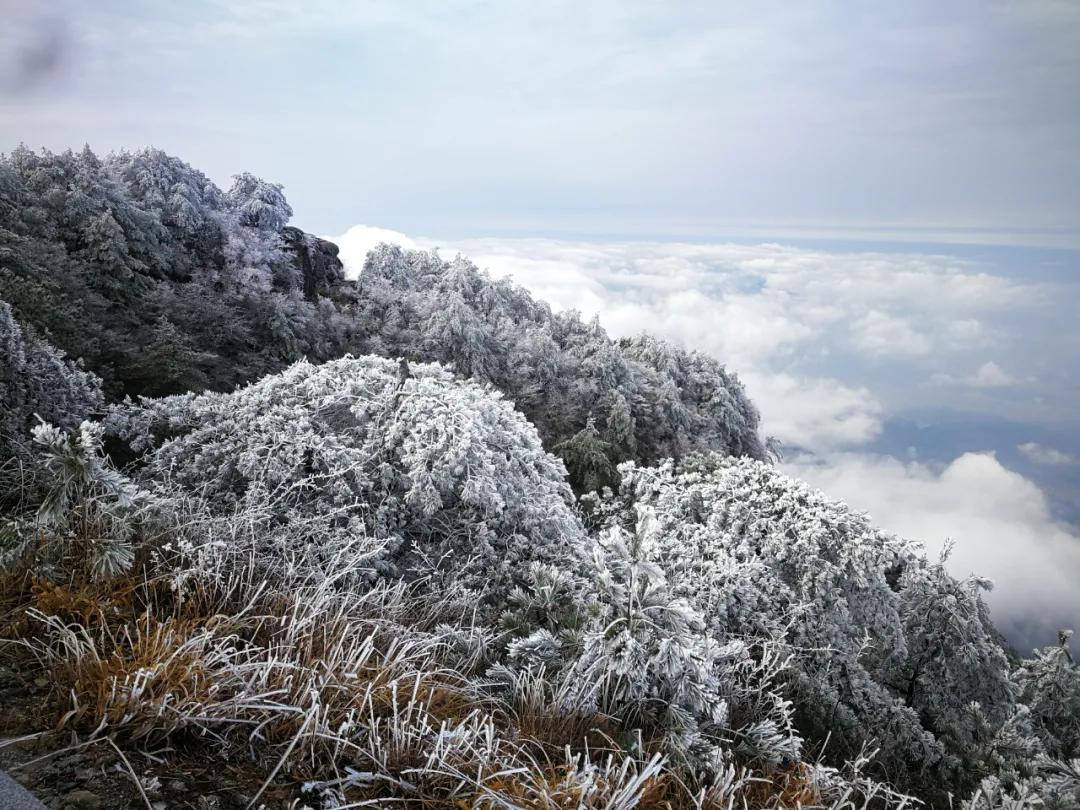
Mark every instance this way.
x=586 y=457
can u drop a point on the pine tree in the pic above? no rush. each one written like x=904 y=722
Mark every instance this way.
x=258 y=204
x=586 y=457
x=619 y=429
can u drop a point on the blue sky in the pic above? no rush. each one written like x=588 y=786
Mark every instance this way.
x=869 y=210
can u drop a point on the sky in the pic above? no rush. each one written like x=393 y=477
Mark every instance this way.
x=870 y=211
x=919 y=119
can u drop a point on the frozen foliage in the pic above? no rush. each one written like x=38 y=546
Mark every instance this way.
x=721 y=617
x=444 y=474
x=157 y=279
x=597 y=402
x=163 y=283
x=1050 y=687
x=888 y=649
x=371 y=576
x=1056 y=786
x=89 y=517
x=38 y=381
x=258 y=204
x=385 y=692
x=653 y=662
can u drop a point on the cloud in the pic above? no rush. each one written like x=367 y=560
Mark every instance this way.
x=999 y=520
x=355 y=243
x=814 y=412
x=877 y=333
x=966 y=332
x=1035 y=452
x=988 y=375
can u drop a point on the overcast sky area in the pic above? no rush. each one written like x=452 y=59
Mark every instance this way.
x=870 y=211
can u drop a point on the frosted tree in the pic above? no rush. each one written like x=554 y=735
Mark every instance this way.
x=709 y=402
x=98 y=251
x=187 y=201
x=169 y=362
x=258 y=204
x=454 y=331
x=619 y=428
x=955 y=673
x=586 y=456
x=37 y=380
x=1049 y=686
x=557 y=368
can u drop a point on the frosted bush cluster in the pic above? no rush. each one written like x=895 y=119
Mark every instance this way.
x=718 y=614
x=886 y=648
x=443 y=475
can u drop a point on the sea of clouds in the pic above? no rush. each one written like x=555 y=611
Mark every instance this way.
x=830 y=344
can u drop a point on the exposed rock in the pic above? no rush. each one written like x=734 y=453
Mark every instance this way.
x=316 y=260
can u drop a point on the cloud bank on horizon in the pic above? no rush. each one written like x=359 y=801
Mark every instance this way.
x=831 y=345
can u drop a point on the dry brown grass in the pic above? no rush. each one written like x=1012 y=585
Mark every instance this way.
x=136 y=671
x=783 y=789
x=554 y=788
x=552 y=730
x=268 y=675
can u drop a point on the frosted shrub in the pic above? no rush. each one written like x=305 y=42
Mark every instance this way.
x=656 y=664
x=86 y=522
x=38 y=381
x=888 y=650
x=1056 y=786
x=954 y=673
x=647 y=659
x=1050 y=686
x=444 y=473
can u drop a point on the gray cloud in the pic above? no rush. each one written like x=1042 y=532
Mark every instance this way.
x=914 y=120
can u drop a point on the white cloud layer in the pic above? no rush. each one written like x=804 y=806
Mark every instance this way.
x=999 y=521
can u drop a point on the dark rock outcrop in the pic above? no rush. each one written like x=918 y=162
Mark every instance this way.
x=316 y=260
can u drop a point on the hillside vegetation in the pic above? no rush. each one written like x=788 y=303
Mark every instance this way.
x=419 y=541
